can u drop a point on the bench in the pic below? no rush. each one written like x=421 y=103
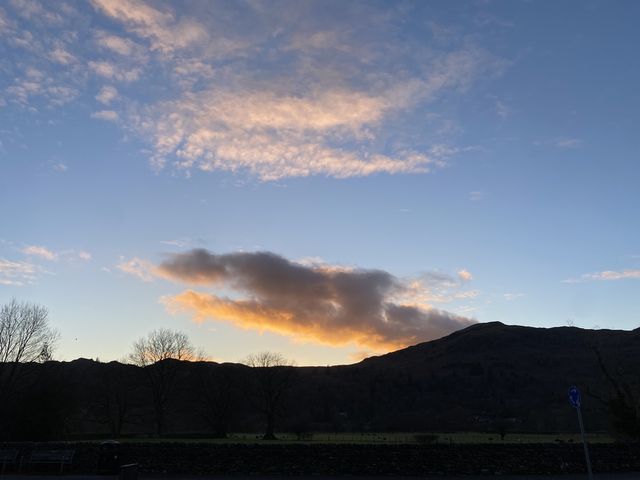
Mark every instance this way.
x=8 y=456
x=52 y=457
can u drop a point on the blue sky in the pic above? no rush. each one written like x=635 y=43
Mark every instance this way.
x=435 y=163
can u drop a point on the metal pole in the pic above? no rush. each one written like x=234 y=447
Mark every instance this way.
x=584 y=443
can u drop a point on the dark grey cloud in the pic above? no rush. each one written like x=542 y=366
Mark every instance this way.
x=328 y=304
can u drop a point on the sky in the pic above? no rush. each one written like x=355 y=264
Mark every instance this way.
x=327 y=180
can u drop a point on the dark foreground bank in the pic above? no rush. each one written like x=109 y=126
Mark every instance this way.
x=328 y=460
x=603 y=476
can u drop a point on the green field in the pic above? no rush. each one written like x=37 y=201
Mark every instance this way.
x=391 y=438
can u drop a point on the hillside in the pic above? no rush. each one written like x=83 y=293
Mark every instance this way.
x=488 y=377
x=519 y=375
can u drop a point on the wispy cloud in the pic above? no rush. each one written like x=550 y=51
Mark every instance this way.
x=15 y=273
x=437 y=288
x=502 y=110
x=34 y=10
x=112 y=71
x=35 y=84
x=45 y=253
x=563 y=143
x=178 y=242
x=606 y=275
x=40 y=251
x=512 y=296
x=108 y=115
x=115 y=43
x=62 y=56
x=83 y=255
x=274 y=136
x=49 y=71
x=160 y=27
x=286 y=95
x=568 y=143
x=465 y=275
x=107 y=94
x=137 y=267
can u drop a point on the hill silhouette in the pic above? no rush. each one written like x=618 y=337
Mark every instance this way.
x=487 y=377
x=493 y=374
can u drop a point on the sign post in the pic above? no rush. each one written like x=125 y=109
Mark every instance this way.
x=576 y=400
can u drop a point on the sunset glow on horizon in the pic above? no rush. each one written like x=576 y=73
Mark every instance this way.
x=326 y=180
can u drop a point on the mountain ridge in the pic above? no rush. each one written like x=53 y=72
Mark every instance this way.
x=487 y=377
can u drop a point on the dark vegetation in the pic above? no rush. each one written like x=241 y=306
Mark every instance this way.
x=488 y=377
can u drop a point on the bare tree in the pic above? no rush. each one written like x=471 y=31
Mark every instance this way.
x=156 y=353
x=272 y=375
x=160 y=345
x=25 y=336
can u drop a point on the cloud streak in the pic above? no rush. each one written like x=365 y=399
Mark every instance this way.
x=137 y=267
x=40 y=251
x=17 y=273
x=308 y=302
x=606 y=275
x=108 y=115
x=53 y=256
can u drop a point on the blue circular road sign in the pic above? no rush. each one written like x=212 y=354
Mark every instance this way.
x=574 y=397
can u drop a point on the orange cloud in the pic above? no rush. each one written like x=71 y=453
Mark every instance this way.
x=307 y=302
x=252 y=315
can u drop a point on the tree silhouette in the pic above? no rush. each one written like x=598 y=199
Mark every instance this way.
x=271 y=377
x=114 y=387
x=25 y=336
x=217 y=387
x=157 y=354
x=623 y=403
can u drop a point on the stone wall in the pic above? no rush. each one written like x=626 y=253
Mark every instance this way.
x=338 y=459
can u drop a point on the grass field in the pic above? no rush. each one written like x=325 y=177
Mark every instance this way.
x=391 y=438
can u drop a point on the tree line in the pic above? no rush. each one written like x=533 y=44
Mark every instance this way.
x=26 y=337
